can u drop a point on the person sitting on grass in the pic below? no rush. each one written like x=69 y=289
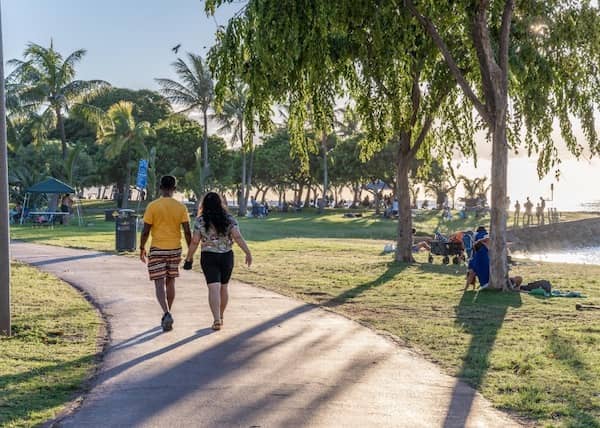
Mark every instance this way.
x=420 y=245
x=479 y=266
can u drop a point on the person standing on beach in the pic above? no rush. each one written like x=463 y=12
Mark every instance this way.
x=163 y=221
x=528 y=205
x=517 y=213
x=216 y=230
x=542 y=209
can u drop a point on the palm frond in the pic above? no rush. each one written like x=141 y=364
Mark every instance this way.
x=195 y=89
x=78 y=91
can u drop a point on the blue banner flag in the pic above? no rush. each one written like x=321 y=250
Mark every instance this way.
x=142 y=174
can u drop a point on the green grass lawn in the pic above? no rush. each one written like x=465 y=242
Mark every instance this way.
x=538 y=358
x=52 y=349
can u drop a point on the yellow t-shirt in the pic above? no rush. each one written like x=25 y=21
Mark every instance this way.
x=166 y=216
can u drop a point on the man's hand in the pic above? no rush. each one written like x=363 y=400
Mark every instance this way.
x=143 y=255
x=248 y=259
x=187 y=265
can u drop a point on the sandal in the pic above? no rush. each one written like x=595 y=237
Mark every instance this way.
x=217 y=325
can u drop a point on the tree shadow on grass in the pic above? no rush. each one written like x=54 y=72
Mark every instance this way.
x=481 y=314
x=393 y=269
x=36 y=390
x=579 y=406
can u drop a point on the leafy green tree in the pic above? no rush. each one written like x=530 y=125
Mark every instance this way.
x=347 y=167
x=390 y=68
x=272 y=163
x=540 y=56
x=177 y=142
x=45 y=83
x=148 y=106
x=29 y=164
x=475 y=188
x=439 y=182
x=230 y=117
x=194 y=92
x=124 y=138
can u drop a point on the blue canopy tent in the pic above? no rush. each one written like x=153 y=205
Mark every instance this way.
x=50 y=186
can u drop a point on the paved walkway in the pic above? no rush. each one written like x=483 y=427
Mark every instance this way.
x=277 y=363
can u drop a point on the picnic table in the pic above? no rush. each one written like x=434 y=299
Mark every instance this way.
x=41 y=218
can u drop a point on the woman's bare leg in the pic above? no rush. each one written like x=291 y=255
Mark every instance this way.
x=214 y=299
x=224 y=298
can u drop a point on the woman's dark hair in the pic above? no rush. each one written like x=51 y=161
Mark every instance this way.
x=214 y=213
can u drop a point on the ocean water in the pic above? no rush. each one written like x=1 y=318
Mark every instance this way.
x=585 y=255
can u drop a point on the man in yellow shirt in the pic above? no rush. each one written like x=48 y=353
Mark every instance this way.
x=163 y=220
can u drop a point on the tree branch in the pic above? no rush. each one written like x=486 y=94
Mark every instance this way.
x=505 y=36
x=421 y=138
x=416 y=92
x=437 y=102
x=488 y=68
x=439 y=42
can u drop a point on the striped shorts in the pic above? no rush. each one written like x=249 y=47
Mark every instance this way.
x=163 y=263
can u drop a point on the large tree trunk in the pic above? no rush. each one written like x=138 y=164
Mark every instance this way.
x=307 y=198
x=356 y=189
x=63 y=135
x=298 y=193
x=242 y=198
x=243 y=202
x=205 y=166
x=498 y=253
x=404 y=232
x=325 y=173
x=125 y=192
x=249 y=175
x=264 y=195
x=377 y=202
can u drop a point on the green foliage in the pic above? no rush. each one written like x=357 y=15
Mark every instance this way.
x=555 y=52
x=196 y=92
x=31 y=164
x=177 y=142
x=51 y=351
x=148 y=106
x=44 y=87
x=274 y=166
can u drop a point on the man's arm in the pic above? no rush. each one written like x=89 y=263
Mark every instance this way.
x=143 y=240
x=187 y=233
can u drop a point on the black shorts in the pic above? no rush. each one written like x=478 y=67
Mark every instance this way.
x=217 y=267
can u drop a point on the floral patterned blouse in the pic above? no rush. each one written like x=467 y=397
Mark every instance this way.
x=211 y=240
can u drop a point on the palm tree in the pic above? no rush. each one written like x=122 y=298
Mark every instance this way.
x=122 y=136
x=45 y=84
x=195 y=92
x=475 y=189
x=231 y=119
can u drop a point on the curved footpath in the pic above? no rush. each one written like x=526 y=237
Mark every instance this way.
x=277 y=363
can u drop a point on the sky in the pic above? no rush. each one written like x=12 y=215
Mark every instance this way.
x=129 y=43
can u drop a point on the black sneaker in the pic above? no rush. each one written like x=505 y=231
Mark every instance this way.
x=167 y=322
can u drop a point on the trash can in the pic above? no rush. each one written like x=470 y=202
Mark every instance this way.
x=126 y=230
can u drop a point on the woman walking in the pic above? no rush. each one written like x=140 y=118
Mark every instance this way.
x=216 y=230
